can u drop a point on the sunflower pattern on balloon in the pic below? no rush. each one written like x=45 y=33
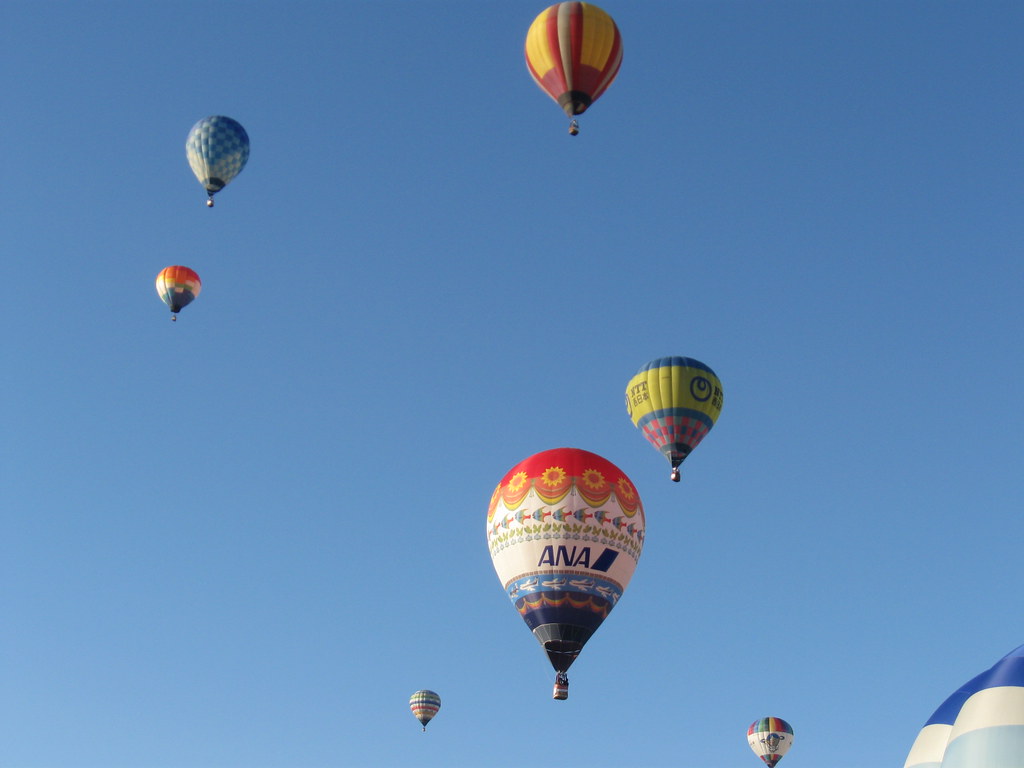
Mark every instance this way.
x=599 y=509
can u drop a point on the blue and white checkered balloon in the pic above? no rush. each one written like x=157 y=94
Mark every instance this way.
x=217 y=149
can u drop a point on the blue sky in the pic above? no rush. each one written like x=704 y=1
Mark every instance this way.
x=243 y=539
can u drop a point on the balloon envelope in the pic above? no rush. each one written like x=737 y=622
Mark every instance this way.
x=770 y=738
x=177 y=286
x=675 y=401
x=565 y=529
x=980 y=724
x=424 y=705
x=573 y=51
x=217 y=149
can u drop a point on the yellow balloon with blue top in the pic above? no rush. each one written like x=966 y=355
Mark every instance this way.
x=675 y=402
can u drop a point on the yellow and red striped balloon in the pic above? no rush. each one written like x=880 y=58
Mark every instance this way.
x=573 y=51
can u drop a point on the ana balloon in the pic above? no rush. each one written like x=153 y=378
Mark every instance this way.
x=217 y=149
x=980 y=724
x=675 y=401
x=565 y=529
x=178 y=287
x=573 y=52
x=424 y=705
x=770 y=738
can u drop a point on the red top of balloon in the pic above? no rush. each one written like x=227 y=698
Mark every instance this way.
x=553 y=473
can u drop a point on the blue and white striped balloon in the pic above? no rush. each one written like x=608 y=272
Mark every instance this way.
x=217 y=149
x=981 y=724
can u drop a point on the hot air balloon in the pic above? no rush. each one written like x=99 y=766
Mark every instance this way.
x=424 y=705
x=770 y=738
x=980 y=724
x=177 y=286
x=573 y=50
x=675 y=401
x=217 y=149
x=565 y=529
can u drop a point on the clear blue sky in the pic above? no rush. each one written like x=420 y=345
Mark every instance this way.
x=243 y=539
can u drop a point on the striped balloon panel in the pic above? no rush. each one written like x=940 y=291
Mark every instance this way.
x=217 y=149
x=177 y=286
x=573 y=51
x=770 y=725
x=929 y=746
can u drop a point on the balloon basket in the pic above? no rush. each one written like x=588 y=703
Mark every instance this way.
x=561 y=691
